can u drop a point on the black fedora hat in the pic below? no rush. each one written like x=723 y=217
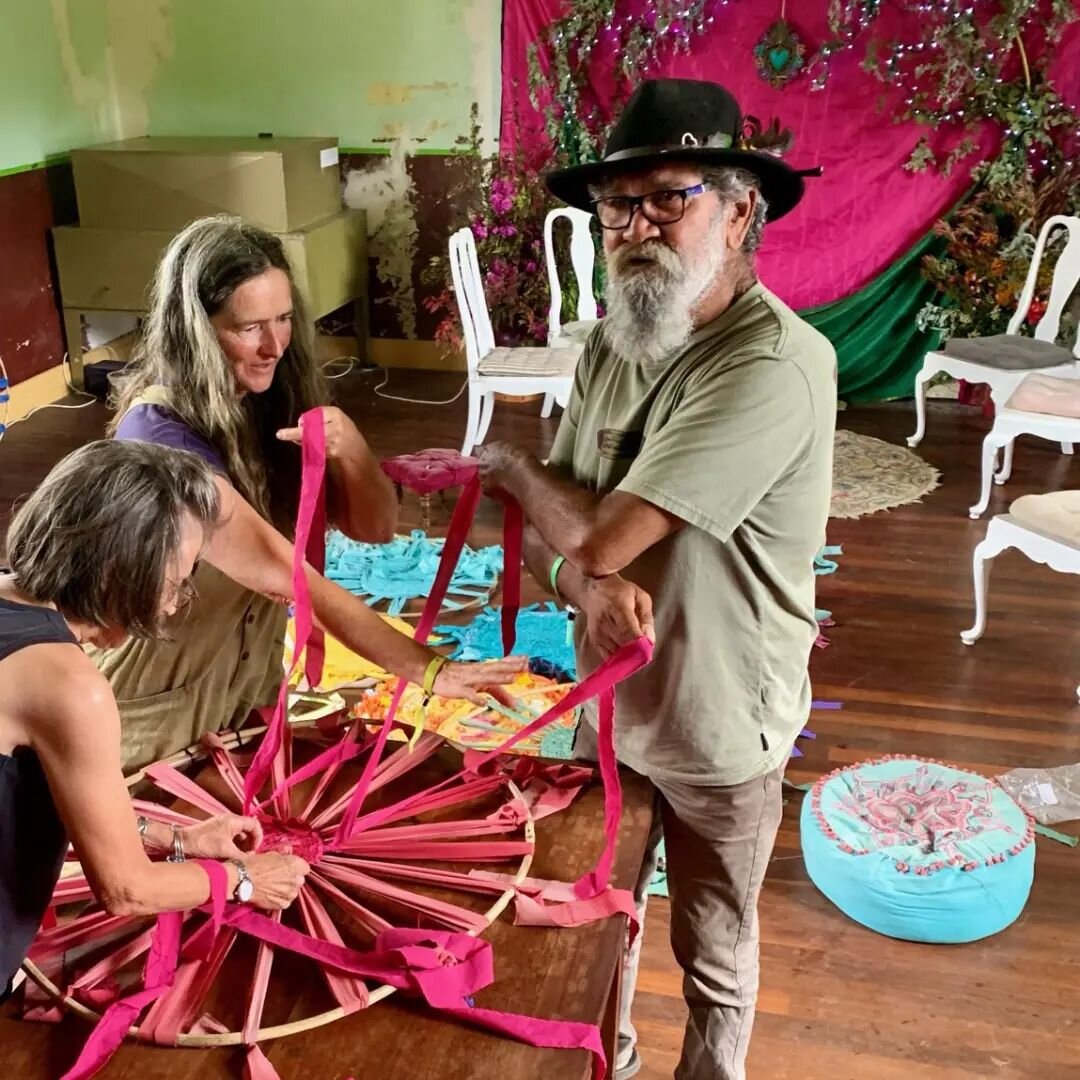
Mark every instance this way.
x=687 y=120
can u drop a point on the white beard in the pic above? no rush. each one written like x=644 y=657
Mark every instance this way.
x=651 y=295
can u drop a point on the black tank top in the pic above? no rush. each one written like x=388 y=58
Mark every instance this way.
x=32 y=839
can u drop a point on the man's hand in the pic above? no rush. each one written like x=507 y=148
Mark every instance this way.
x=616 y=612
x=498 y=463
x=343 y=437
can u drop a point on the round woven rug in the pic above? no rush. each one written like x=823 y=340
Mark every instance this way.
x=871 y=475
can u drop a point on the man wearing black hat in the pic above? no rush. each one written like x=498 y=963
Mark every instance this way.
x=685 y=498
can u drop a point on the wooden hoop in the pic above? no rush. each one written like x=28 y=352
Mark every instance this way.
x=233 y=740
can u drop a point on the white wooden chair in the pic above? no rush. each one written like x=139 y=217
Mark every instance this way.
x=527 y=370
x=1008 y=424
x=1046 y=528
x=582 y=261
x=1004 y=360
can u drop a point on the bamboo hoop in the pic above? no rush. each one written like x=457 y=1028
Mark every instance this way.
x=234 y=740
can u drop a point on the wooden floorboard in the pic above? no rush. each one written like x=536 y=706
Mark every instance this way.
x=839 y=1002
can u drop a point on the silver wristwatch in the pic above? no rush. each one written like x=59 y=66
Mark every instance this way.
x=245 y=888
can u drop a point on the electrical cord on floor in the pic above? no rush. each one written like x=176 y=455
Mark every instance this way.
x=5 y=397
x=353 y=360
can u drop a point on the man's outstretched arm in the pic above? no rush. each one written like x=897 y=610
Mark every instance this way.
x=598 y=535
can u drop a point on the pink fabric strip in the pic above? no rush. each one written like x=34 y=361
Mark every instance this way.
x=452 y=915
x=375 y=924
x=219 y=894
x=390 y=768
x=457 y=533
x=349 y=992
x=444 y=967
x=176 y=783
x=513 y=534
x=55 y=942
x=176 y=1011
x=113 y=1025
x=313 y=451
x=225 y=765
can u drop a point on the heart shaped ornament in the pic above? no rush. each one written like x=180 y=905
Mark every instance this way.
x=779 y=54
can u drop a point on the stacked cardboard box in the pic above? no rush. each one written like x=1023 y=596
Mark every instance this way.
x=135 y=195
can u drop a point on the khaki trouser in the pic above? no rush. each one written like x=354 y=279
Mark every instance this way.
x=717 y=841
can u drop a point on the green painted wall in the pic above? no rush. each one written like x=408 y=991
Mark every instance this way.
x=74 y=72
x=366 y=71
x=39 y=114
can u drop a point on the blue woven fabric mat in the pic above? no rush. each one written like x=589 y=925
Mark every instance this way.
x=405 y=569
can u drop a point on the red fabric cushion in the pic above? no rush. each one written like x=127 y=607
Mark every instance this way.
x=430 y=470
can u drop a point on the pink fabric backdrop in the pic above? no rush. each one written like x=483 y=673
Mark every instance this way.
x=866 y=210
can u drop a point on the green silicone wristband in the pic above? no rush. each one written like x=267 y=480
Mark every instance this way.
x=556 y=566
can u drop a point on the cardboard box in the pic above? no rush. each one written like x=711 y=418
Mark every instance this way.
x=111 y=269
x=163 y=182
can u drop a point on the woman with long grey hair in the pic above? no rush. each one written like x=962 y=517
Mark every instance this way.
x=224 y=368
x=104 y=548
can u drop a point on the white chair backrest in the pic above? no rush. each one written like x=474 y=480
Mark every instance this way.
x=582 y=258
x=1066 y=276
x=472 y=304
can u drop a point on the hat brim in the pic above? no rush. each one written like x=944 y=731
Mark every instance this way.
x=781 y=185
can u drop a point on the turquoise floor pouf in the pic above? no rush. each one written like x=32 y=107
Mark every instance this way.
x=918 y=850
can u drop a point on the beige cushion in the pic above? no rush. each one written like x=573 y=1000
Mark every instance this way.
x=1056 y=514
x=1045 y=394
x=578 y=330
x=1008 y=352
x=531 y=361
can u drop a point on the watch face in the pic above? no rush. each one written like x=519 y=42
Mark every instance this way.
x=245 y=891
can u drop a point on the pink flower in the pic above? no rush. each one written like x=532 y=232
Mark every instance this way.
x=530 y=267
x=480 y=230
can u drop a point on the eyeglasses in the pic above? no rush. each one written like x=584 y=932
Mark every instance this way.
x=657 y=207
x=182 y=592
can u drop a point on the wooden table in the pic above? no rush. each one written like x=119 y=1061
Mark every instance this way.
x=570 y=974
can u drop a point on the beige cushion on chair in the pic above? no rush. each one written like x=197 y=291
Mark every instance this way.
x=530 y=361
x=1008 y=352
x=1045 y=394
x=1056 y=514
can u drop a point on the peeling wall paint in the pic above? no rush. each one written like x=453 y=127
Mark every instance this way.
x=138 y=37
x=41 y=116
x=483 y=25
x=386 y=191
x=359 y=71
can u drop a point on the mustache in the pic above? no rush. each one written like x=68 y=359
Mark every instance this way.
x=650 y=251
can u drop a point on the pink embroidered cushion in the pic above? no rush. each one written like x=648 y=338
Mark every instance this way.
x=430 y=471
x=918 y=850
x=1046 y=394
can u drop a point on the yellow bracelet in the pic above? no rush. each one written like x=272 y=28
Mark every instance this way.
x=431 y=673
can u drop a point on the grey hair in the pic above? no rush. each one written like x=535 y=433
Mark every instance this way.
x=178 y=348
x=735 y=185
x=97 y=537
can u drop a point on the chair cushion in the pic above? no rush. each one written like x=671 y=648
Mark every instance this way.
x=1046 y=394
x=578 y=330
x=1008 y=352
x=429 y=471
x=918 y=850
x=1057 y=514
x=540 y=361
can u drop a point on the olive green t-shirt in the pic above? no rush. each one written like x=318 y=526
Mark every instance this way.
x=734 y=435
